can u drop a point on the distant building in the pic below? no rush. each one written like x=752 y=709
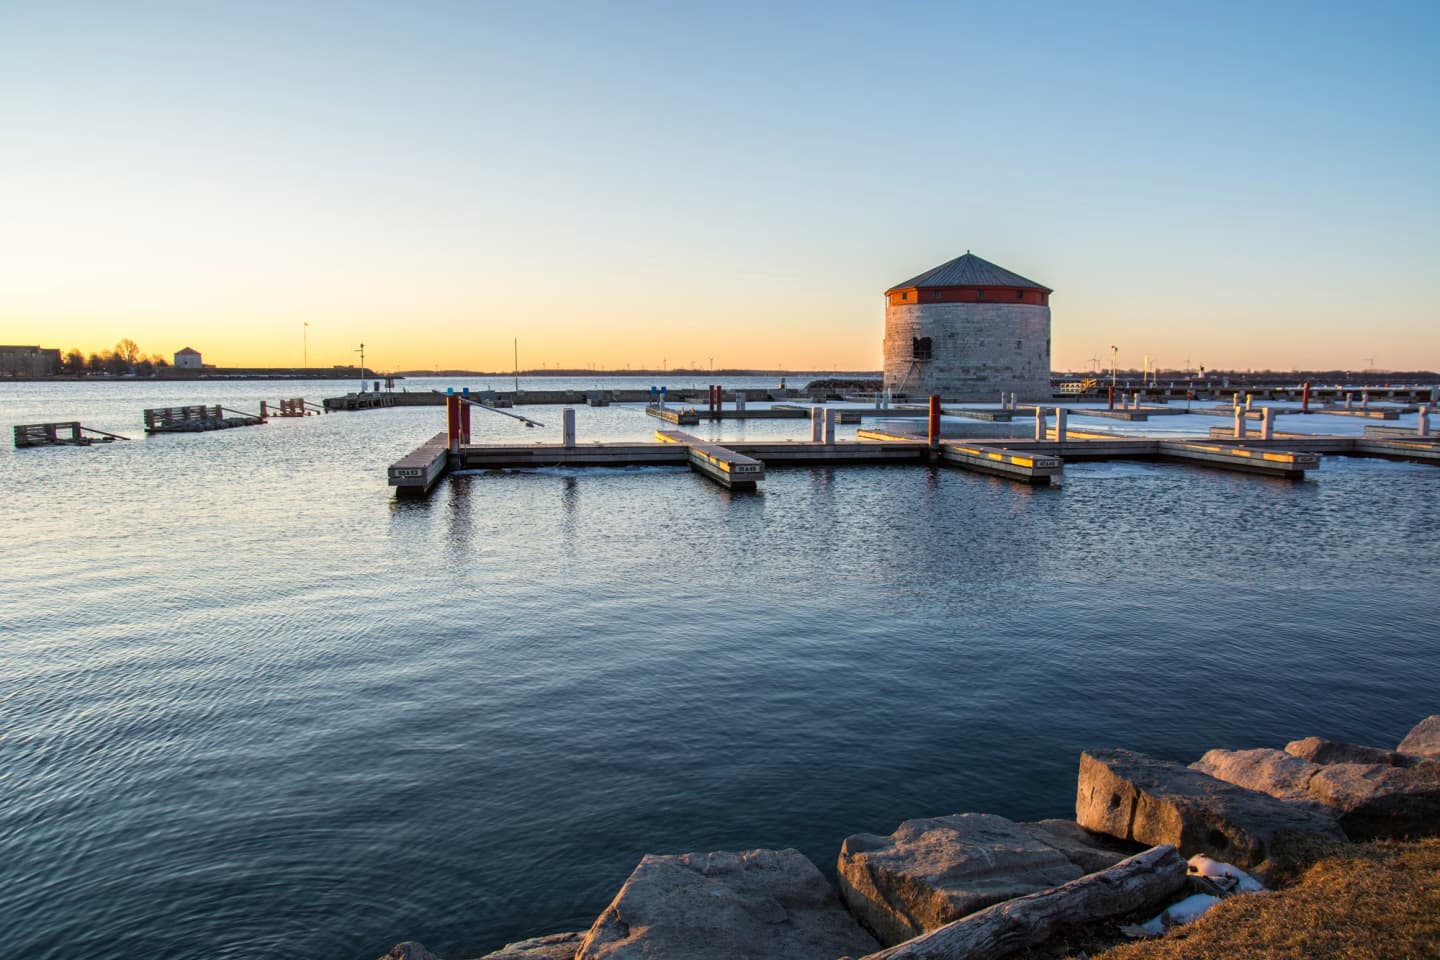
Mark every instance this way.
x=188 y=359
x=968 y=330
x=29 y=362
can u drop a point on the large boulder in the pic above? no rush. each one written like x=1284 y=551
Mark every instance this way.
x=1370 y=800
x=554 y=946
x=759 y=904
x=1377 y=801
x=1136 y=797
x=937 y=869
x=1424 y=740
x=1319 y=750
x=1276 y=772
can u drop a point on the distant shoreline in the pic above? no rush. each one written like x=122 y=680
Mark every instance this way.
x=187 y=376
x=1318 y=377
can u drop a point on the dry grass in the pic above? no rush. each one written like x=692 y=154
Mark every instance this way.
x=1372 y=902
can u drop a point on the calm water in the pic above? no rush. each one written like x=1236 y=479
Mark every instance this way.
x=249 y=703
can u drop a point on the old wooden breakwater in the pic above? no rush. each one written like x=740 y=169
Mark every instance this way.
x=1039 y=461
x=65 y=433
x=195 y=418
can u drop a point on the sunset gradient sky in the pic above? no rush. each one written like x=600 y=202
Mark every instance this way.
x=1249 y=185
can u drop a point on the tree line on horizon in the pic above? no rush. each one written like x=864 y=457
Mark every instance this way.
x=125 y=359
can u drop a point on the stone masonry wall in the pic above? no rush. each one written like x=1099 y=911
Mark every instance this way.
x=979 y=349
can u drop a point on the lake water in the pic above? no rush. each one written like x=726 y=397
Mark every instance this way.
x=252 y=704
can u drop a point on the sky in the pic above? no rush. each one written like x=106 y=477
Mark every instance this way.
x=1243 y=186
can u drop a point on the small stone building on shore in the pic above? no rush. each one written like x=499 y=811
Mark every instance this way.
x=968 y=330
x=188 y=358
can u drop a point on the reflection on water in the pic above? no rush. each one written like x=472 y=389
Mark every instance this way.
x=250 y=702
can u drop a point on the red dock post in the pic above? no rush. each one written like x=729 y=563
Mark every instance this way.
x=1305 y=398
x=452 y=421
x=934 y=433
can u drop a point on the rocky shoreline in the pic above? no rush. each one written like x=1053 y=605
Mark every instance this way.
x=976 y=885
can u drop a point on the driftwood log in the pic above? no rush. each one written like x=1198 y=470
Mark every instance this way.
x=1144 y=881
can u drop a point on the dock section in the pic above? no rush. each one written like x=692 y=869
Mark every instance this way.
x=417 y=471
x=535 y=456
x=66 y=433
x=193 y=419
x=1266 y=461
x=1037 y=469
x=721 y=464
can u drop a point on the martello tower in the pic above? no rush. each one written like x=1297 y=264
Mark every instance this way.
x=968 y=330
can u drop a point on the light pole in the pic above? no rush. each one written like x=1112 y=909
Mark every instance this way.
x=305 y=346
x=1114 y=350
x=361 y=351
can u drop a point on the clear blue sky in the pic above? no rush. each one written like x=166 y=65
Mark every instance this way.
x=1244 y=185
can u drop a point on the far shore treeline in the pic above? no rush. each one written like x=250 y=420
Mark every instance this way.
x=128 y=360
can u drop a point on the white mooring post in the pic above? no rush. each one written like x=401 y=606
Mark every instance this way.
x=1060 y=424
x=1248 y=398
x=567 y=426
x=1013 y=401
x=832 y=417
x=1422 y=426
x=1003 y=404
x=1239 y=424
x=1267 y=423
x=1365 y=402
x=739 y=402
x=1039 y=422
x=817 y=424
x=1349 y=400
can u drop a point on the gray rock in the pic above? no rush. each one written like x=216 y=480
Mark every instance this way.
x=758 y=905
x=1369 y=800
x=1382 y=802
x=1318 y=750
x=935 y=870
x=1088 y=850
x=1135 y=797
x=1276 y=772
x=409 y=950
x=1424 y=740
x=554 y=946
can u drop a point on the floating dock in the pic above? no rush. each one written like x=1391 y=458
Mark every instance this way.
x=418 y=470
x=295 y=407
x=1040 y=462
x=721 y=464
x=65 y=433
x=193 y=419
x=1037 y=469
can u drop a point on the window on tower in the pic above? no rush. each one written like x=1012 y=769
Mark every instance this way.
x=922 y=349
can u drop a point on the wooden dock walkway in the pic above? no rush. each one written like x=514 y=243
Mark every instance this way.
x=743 y=463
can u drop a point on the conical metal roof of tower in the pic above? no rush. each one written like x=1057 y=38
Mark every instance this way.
x=968 y=271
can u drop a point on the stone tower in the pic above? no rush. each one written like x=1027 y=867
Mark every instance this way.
x=968 y=330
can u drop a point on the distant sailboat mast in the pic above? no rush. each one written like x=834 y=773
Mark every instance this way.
x=517 y=365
